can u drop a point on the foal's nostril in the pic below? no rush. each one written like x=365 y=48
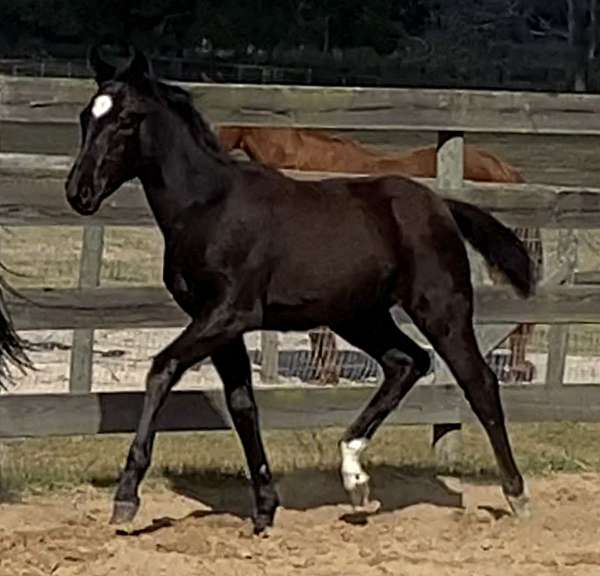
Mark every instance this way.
x=86 y=194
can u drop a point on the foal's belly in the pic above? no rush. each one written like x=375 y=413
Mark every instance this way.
x=327 y=290
x=336 y=258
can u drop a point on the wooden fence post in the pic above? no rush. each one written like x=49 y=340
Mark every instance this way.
x=558 y=335
x=269 y=346
x=80 y=376
x=447 y=437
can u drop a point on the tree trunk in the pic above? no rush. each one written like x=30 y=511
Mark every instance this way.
x=326 y=35
x=592 y=33
x=577 y=41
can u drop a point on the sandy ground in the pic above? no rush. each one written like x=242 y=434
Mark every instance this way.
x=203 y=529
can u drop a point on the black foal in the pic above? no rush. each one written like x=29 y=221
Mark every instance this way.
x=247 y=248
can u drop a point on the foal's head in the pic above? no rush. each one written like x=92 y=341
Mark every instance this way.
x=110 y=132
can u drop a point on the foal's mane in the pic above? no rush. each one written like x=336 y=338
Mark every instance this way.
x=180 y=101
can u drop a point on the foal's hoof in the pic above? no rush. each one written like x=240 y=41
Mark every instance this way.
x=124 y=511
x=263 y=525
x=367 y=507
x=357 y=487
x=520 y=505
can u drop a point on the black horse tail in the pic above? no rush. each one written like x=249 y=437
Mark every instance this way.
x=12 y=349
x=499 y=245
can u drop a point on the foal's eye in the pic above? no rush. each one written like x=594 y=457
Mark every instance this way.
x=126 y=120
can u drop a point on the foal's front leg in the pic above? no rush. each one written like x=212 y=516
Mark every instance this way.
x=233 y=365
x=196 y=343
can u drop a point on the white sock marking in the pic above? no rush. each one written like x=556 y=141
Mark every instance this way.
x=352 y=472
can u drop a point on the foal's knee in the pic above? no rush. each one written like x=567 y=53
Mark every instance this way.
x=241 y=402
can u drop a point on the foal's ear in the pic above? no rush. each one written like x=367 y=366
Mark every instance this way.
x=139 y=68
x=103 y=70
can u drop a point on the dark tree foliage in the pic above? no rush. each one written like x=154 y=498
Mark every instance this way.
x=483 y=43
x=37 y=25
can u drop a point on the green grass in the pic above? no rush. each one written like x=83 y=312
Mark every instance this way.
x=49 y=257
x=48 y=464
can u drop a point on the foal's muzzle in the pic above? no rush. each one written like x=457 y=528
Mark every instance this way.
x=81 y=197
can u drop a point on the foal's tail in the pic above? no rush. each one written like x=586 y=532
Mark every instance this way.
x=499 y=245
x=12 y=348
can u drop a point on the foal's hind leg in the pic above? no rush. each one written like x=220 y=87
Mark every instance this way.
x=403 y=363
x=445 y=318
x=233 y=365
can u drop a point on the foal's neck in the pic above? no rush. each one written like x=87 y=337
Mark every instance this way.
x=178 y=171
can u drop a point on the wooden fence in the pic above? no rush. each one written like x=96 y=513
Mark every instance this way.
x=31 y=193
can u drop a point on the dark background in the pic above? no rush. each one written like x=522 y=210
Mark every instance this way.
x=508 y=44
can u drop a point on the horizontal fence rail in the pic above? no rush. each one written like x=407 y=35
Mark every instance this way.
x=58 y=100
x=280 y=407
x=33 y=194
x=148 y=307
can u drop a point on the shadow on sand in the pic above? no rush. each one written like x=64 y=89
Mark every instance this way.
x=306 y=489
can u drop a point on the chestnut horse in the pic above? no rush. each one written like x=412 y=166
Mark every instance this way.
x=317 y=150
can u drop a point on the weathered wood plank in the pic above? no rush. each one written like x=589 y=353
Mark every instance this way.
x=450 y=161
x=269 y=346
x=551 y=305
x=30 y=138
x=587 y=277
x=48 y=414
x=63 y=414
x=555 y=403
x=153 y=307
x=447 y=437
x=82 y=364
x=32 y=193
x=56 y=100
x=558 y=336
x=99 y=308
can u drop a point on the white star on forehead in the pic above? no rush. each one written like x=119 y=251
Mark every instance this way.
x=102 y=105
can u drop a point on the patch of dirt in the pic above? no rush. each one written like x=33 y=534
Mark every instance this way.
x=202 y=528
